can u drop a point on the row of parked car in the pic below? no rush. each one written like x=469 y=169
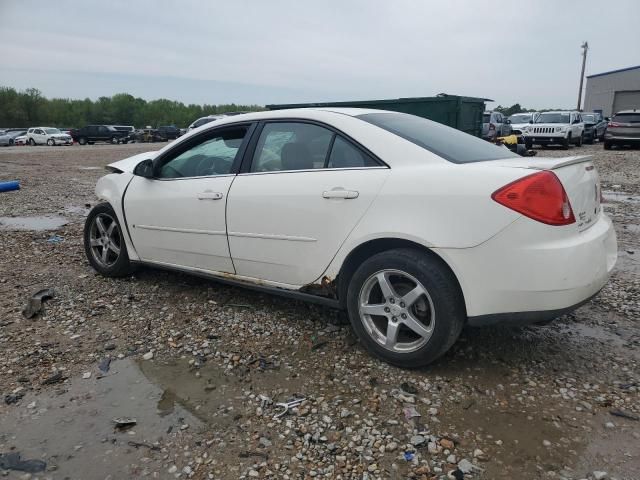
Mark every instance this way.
x=100 y=133
x=565 y=128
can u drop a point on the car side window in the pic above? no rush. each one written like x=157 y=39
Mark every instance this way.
x=345 y=155
x=38 y=131
x=212 y=155
x=102 y=130
x=291 y=146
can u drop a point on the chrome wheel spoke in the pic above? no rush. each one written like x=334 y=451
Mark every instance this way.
x=111 y=228
x=105 y=255
x=95 y=242
x=417 y=327
x=410 y=298
x=100 y=224
x=114 y=248
x=385 y=286
x=392 y=334
x=376 y=309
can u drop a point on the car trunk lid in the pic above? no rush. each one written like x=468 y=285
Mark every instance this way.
x=579 y=178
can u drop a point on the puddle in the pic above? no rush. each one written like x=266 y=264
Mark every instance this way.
x=71 y=427
x=583 y=330
x=37 y=224
x=624 y=197
x=77 y=210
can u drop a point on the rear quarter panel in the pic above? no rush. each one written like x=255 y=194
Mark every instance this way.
x=442 y=205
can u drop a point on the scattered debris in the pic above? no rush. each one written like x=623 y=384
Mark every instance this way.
x=86 y=375
x=35 y=304
x=410 y=412
x=55 y=239
x=252 y=453
x=287 y=405
x=147 y=356
x=12 y=461
x=123 y=423
x=55 y=378
x=621 y=413
x=12 y=398
x=318 y=344
x=408 y=456
x=408 y=388
x=131 y=443
x=105 y=364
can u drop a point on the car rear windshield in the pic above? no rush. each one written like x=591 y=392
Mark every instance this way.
x=449 y=143
x=486 y=118
x=588 y=118
x=553 y=118
x=626 y=118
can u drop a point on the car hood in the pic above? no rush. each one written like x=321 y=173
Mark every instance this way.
x=520 y=126
x=128 y=164
x=550 y=125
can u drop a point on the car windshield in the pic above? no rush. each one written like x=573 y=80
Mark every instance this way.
x=589 y=118
x=626 y=118
x=520 y=118
x=51 y=131
x=449 y=143
x=553 y=118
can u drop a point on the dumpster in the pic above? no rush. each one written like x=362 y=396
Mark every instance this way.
x=462 y=113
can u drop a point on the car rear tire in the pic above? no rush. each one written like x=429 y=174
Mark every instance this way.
x=114 y=140
x=579 y=141
x=607 y=145
x=104 y=242
x=406 y=307
x=566 y=142
x=82 y=141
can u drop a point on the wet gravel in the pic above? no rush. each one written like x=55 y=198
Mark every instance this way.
x=201 y=366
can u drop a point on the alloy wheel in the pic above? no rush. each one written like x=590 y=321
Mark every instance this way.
x=397 y=311
x=105 y=240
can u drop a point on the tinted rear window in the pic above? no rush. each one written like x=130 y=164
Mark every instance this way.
x=449 y=143
x=486 y=118
x=627 y=118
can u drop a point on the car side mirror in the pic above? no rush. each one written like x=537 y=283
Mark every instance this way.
x=144 y=169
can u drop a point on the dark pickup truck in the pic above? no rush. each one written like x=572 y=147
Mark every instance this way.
x=98 y=133
x=168 y=132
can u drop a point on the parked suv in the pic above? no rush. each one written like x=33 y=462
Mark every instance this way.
x=623 y=129
x=47 y=136
x=98 y=133
x=594 y=126
x=555 y=128
x=521 y=120
x=494 y=124
x=168 y=132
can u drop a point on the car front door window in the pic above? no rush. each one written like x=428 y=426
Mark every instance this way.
x=212 y=156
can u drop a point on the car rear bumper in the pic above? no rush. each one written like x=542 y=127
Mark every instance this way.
x=513 y=278
x=619 y=139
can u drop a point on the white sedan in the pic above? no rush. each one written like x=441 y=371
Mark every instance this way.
x=414 y=228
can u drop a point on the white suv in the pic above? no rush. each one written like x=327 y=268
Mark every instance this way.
x=48 y=136
x=555 y=128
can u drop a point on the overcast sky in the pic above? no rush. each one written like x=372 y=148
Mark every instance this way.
x=276 y=51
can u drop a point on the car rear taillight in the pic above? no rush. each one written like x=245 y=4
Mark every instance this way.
x=613 y=125
x=492 y=127
x=540 y=196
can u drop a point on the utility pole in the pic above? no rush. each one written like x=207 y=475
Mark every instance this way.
x=585 y=47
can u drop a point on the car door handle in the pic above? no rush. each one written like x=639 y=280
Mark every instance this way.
x=340 y=193
x=209 y=196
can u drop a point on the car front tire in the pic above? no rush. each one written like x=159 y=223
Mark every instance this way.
x=104 y=242
x=32 y=142
x=406 y=307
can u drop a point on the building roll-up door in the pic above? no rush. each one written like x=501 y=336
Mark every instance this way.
x=627 y=100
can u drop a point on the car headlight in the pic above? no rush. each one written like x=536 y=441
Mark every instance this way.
x=560 y=129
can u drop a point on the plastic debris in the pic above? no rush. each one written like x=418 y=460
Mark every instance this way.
x=408 y=388
x=9 y=186
x=410 y=412
x=12 y=461
x=105 y=364
x=55 y=239
x=35 y=304
x=285 y=406
x=55 y=378
x=408 y=456
x=123 y=423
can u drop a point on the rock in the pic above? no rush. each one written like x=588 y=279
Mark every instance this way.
x=546 y=443
x=599 y=475
x=391 y=447
x=417 y=440
x=446 y=443
x=86 y=375
x=465 y=466
x=479 y=454
x=253 y=473
x=451 y=459
x=147 y=356
x=172 y=469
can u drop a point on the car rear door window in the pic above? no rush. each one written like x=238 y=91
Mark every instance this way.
x=284 y=146
x=213 y=154
x=446 y=142
x=345 y=155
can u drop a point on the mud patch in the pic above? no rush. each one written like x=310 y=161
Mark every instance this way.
x=37 y=224
x=623 y=197
x=72 y=428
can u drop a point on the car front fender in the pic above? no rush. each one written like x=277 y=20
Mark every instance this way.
x=111 y=188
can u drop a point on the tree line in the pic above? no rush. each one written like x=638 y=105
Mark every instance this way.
x=28 y=108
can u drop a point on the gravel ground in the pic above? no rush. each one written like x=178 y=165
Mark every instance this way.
x=200 y=366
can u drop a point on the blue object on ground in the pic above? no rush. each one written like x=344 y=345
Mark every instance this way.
x=8 y=186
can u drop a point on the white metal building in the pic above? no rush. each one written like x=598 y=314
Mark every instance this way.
x=610 y=92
